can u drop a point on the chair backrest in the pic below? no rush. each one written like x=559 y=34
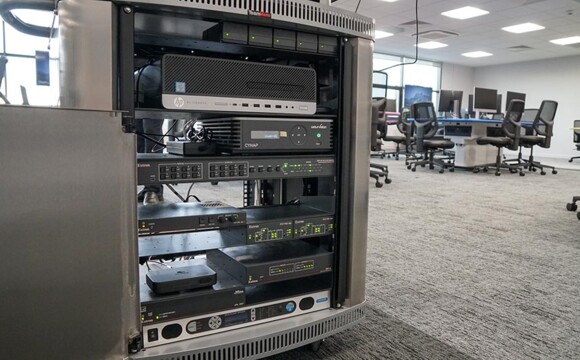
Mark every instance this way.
x=403 y=123
x=512 y=119
x=577 y=132
x=378 y=107
x=425 y=119
x=544 y=121
x=529 y=114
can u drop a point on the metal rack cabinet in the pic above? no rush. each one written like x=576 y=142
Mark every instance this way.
x=97 y=67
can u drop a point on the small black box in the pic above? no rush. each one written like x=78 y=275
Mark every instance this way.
x=191 y=148
x=284 y=39
x=327 y=44
x=183 y=278
x=306 y=42
x=261 y=36
x=227 y=32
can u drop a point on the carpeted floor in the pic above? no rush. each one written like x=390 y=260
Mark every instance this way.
x=464 y=265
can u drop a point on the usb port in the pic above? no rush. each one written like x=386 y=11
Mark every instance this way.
x=245 y=105
x=278 y=106
x=256 y=105
x=267 y=106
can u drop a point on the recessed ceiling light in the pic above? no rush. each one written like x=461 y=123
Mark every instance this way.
x=523 y=28
x=431 y=45
x=379 y=34
x=476 y=54
x=566 y=41
x=466 y=12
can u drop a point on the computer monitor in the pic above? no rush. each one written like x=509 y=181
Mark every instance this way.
x=414 y=93
x=512 y=96
x=485 y=100
x=447 y=99
x=498 y=104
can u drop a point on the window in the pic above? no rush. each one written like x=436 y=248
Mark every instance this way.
x=20 y=49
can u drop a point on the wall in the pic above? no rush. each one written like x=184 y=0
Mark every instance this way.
x=457 y=77
x=551 y=79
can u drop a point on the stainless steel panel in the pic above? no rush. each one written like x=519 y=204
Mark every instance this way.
x=87 y=54
x=68 y=288
x=360 y=67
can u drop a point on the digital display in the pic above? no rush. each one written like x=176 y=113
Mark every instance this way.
x=265 y=135
x=236 y=318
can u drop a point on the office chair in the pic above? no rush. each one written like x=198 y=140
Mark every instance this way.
x=576 y=139
x=403 y=126
x=511 y=127
x=543 y=127
x=425 y=126
x=528 y=116
x=377 y=171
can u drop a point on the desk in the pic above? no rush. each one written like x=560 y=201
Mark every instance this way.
x=464 y=133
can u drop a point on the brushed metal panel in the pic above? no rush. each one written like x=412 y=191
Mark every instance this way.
x=87 y=51
x=360 y=67
x=68 y=288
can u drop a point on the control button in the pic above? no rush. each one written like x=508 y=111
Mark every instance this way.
x=232 y=173
x=191 y=327
x=171 y=331
x=221 y=219
x=306 y=304
x=290 y=307
x=278 y=168
x=174 y=176
x=162 y=177
x=184 y=176
x=163 y=168
x=214 y=322
x=212 y=168
x=234 y=217
x=222 y=167
x=241 y=173
x=252 y=169
x=260 y=169
x=232 y=167
x=241 y=167
x=213 y=174
x=184 y=168
x=173 y=169
x=269 y=169
x=195 y=168
x=152 y=335
x=222 y=174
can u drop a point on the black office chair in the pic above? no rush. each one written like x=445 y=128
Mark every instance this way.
x=425 y=127
x=511 y=127
x=377 y=171
x=403 y=126
x=576 y=139
x=528 y=116
x=543 y=127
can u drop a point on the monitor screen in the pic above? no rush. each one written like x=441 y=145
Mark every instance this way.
x=446 y=99
x=513 y=95
x=498 y=104
x=485 y=99
x=415 y=94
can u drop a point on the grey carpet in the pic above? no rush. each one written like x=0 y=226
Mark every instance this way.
x=464 y=265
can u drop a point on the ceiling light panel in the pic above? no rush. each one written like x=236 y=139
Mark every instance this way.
x=379 y=34
x=476 y=54
x=432 y=45
x=566 y=41
x=466 y=12
x=523 y=28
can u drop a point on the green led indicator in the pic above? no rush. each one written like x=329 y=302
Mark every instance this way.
x=322 y=46
x=253 y=37
x=277 y=40
x=300 y=43
x=319 y=135
x=227 y=34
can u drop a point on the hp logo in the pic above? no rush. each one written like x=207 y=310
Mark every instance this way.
x=179 y=102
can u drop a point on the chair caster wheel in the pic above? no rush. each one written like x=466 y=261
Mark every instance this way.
x=554 y=172
x=414 y=169
x=422 y=165
x=476 y=170
x=441 y=171
x=388 y=181
x=431 y=167
x=214 y=183
x=497 y=174
x=379 y=184
x=452 y=170
x=571 y=207
x=485 y=170
x=397 y=158
x=534 y=169
x=543 y=173
x=409 y=167
x=522 y=174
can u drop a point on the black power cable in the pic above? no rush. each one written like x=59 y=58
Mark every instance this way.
x=416 y=41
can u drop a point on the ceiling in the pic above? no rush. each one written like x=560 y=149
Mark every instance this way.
x=561 y=18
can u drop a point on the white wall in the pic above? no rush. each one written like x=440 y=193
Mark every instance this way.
x=457 y=77
x=551 y=79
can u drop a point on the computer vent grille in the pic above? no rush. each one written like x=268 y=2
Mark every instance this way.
x=276 y=343
x=293 y=11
